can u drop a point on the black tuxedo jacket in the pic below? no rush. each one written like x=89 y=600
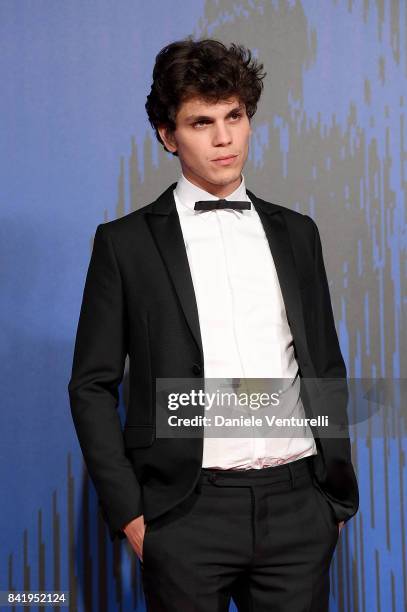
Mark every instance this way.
x=139 y=300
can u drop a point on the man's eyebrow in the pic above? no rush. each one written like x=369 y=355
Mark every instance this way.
x=205 y=117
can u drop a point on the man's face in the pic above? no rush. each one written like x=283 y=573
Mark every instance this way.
x=205 y=132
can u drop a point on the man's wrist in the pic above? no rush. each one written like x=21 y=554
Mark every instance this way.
x=130 y=521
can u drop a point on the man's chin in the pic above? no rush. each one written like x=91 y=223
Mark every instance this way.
x=227 y=176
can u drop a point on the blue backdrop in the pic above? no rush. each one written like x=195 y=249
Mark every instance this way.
x=329 y=139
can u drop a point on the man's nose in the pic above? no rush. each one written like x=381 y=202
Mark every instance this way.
x=222 y=135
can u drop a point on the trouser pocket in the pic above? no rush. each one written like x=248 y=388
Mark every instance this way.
x=325 y=510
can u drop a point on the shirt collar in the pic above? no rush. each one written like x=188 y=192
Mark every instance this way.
x=187 y=194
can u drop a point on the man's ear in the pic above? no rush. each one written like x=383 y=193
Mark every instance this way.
x=167 y=137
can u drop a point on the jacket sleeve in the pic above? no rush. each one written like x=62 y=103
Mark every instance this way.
x=97 y=371
x=328 y=358
x=339 y=483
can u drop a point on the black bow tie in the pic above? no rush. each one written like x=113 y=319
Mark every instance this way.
x=219 y=204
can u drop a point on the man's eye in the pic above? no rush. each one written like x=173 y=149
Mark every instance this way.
x=236 y=115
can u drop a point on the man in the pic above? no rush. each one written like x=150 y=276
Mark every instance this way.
x=229 y=291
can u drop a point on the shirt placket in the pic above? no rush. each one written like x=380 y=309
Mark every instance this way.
x=226 y=226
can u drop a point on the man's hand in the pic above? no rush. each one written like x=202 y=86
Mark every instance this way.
x=340 y=525
x=135 y=534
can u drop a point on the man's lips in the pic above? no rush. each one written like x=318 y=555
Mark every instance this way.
x=225 y=161
x=224 y=157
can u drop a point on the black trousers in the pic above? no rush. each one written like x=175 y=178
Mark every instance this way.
x=264 y=537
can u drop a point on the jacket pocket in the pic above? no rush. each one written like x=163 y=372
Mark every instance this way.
x=136 y=436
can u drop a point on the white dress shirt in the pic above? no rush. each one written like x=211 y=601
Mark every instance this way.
x=242 y=318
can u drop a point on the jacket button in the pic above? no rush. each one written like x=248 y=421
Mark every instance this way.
x=196 y=368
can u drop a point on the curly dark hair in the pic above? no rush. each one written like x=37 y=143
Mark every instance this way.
x=206 y=69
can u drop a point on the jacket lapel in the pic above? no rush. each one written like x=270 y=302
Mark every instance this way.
x=165 y=226
x=275 y=228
